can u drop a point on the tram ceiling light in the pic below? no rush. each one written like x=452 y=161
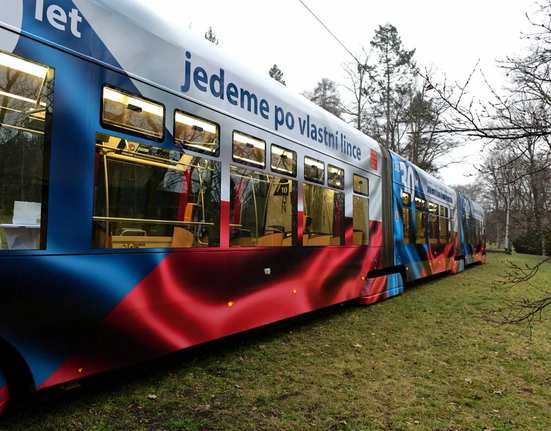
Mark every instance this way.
x=195 y=124
x=313 y=163
x=246 y=140
x=256 y=162
x=280 y=169
x=282 y=153
x=131 y=102
x=23 y=66
x=24 y=99
x=201 y=145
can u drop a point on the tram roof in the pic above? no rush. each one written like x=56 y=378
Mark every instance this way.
x=159 y=50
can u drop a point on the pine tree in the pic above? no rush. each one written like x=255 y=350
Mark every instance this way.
x=326 y=95
x=210 y=36
x=277 y=74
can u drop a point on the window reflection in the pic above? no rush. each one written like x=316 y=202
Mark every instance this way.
x=132 y=114
x=263 y=209
x=196 y=134
x=249 y=150
x=150 y=197
x=26 y=95
x=323 y=216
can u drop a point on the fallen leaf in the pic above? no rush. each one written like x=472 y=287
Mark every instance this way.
x=469 y=381
x=152 y=396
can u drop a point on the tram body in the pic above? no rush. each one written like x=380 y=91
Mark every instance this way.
x=154 y=196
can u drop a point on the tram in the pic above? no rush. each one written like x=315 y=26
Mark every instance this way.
x=155 y=195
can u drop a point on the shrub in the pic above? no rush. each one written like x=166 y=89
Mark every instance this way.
x=531 y=244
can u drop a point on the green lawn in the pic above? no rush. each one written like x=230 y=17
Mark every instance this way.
x=426 y=360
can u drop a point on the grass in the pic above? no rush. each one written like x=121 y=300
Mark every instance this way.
x=426 y=360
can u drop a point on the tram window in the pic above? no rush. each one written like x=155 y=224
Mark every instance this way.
x=151 y=197
x=335 y=177
x=433 y=223
x=26 y=98
x=420 y=204
x=132 y=114
x=196 y=134
x=421 y=221
x=444 y=225
x=360 y=219
x=361 y=185
x=406 y=217
x=406 y=199
x=249 y=150
x=263 y=209
x=323 y=216
x=314 y=170
x=283 y=160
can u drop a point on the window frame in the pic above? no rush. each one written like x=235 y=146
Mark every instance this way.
x=321 y=180
x=285 y=172
x=331 y=183
x=39 y=226
x=130 y=131
x=248 y=162
x=181 y=145
x=359 y=192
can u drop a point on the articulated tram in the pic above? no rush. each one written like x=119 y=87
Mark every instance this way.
x=154 y=195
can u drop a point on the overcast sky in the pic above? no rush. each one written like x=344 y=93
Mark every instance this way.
x=449 y=36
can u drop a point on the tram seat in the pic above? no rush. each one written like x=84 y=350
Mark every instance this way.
x=182 y=238
x=141 y=241
x=101 y=238
x=271 y=240
x=203 y=241
x=358 y=237
x=287 y=241
x=319 y=239
x=241 y=238
x=192 y=212
x=335 y=240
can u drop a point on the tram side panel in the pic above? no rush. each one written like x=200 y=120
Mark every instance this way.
x=85 y=309
x=380 y=281
x=424 y=234
x=472 y=231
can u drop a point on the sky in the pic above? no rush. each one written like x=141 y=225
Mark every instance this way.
x=449 y=37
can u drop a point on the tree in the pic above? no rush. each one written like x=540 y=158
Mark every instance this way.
x=359 y=73
x=389 y=85
x=276 y=73
x=326 y=95
x=394 y=105
x=422 y=116
x=210 y=36
x=516 y=126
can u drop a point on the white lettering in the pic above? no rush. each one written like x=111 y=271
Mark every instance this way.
x=75 y=19
x=39 y=11
x=58 y=18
